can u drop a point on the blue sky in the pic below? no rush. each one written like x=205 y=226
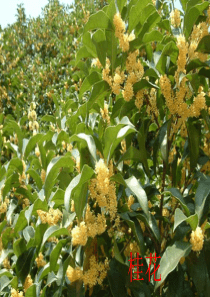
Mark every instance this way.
x=8 y=9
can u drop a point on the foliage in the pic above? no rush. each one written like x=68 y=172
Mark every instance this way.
x=104 y=139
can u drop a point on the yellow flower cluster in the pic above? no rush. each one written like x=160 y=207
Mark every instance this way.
x=132 y=247
x=131 y=200
x=28 y=282
x=198 y=32
x=183 y=51
x=97 y=272
x=197 y=239
x=175 y=18
x=152 y=106
x=32 y=116
x=206 y=149
x=74 y=274
x=165 y=212
x=79 y=234
x=39 y=260
x=105 y=113
x=52 y=217
x=15 y=293
x=43 y=175
x=6 y=263
x=102 y=189
x=96 y=63
x=3 y=206
x=26 y=203
x=120 y=32
x=177 y=105
x=95 y=225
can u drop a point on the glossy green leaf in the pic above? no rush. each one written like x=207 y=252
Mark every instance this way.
x=179 y=217
x=170 y=259
x=176 y=194
x=36 y=177
x=194 y=143
x=117 y=278
x=89 y=45
x=136 y=12
x=98 y=20
x=192 y=15
x=88 y=82
x=201 y=195
x=52 y=172
x=76 y=188
x=31 y=291
x=89 y=140
x=24 y=263
x=48 y=118
x=31 y=144
x=54 y=231
x=114 y=134
x=135 y=187
x=56 y=253
x=121 y=4
x=19 y=246
x=204 y=45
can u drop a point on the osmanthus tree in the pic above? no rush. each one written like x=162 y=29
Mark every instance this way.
x=116 y=159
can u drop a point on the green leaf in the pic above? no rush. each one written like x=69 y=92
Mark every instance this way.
x=136 y=229
x=13 y=127
x=117 y=254
x=179 y=217
x=170 y=259
x=196 y=265
x=207 y=226
x=52 y=172
x=54 y=231
x=204 y=45
x=31 y=144
x=131 y=154
x=171 y=50
x=201 y=195
x=89 y=140
x=24 y=263
x=194 y=64
x=112 y=48
x=135 y=187
x=58 y=198
x=19 y=246
x=31 y=291
x=155 y=35
x=83 y=53
x=48 y=118
x=21 y=222
x=36 y=177
x=76 y=187
x=151 y=21
x=88 y=82
x=143 y=84
x=194 y=142
x=191 y=17
x=141 y=137
x=88 y=43
x=117 y=275
x=98 y=20
x=176 y=194
x=56 y=253
x=114 y=134
x=136 y=13
x=121 y=4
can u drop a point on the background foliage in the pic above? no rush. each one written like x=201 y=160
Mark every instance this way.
x=104 y=141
